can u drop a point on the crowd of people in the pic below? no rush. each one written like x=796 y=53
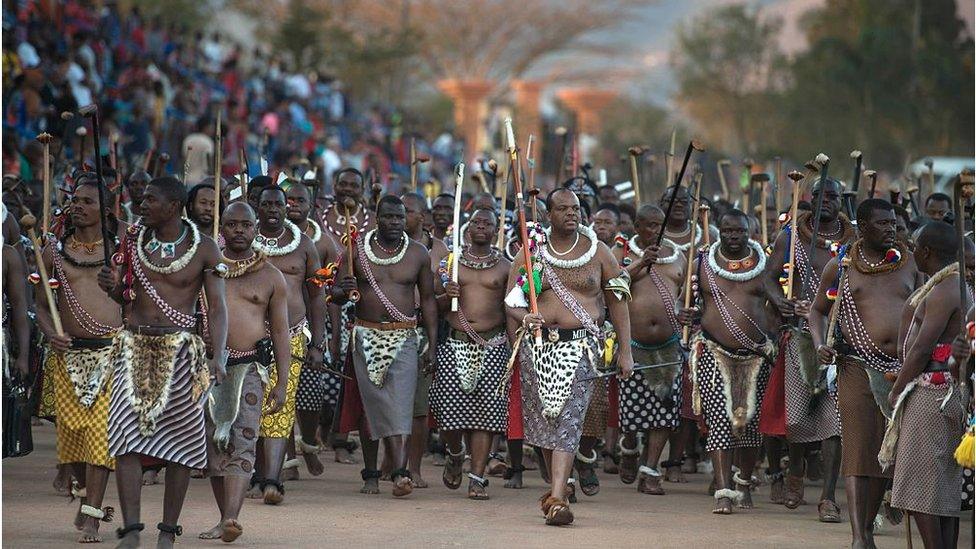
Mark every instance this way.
x=230 y=325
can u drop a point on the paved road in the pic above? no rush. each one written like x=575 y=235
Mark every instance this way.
x=328 y=511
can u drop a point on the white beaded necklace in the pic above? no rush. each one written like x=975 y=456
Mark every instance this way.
x=178 y=264
x=686 y=246
x=404 y=244
x=316 y=230
x=745 y=275
x=269 y=246
x=571 y=263
x=675 y=249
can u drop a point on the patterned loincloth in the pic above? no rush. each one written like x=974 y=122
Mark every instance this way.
x=156 y=404
x=728 y=391
x=460 y=406
x=233 y=418
x=379 y=349
x=388 y=405
x=809 y=417
x=595 y=421
x=88 y=370
x=281 y=423
x=82 y=429
x=556 y=421
x=651 y=399
x=862 y=422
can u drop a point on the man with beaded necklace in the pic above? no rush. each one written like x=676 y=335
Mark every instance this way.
x=469 y=392
x=810 y=420
x=868 y=281
x=731 y=355
x=81 y=354
x=255 y=289
x=678 y=229
x=390 y=271
x=294 y=254
x=161 y=373
x=577 y=279
x=650 y=401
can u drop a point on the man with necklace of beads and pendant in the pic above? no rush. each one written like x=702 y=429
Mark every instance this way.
x=417 y=210
x=562 y=343
x=391 y=271
x=811 y=417
x=81 y=355
x=678 y=229
x=470 y=390
x=347 y=183
x=257 y=294
x=161 y=377
x=731 y=355
x=314 y=386
x=294 y=254
x=870 y=280
x=650 y=401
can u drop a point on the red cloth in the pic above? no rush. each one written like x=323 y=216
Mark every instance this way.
x=942 y=352
x=515 y=429
x=351 y=413
x=772 y=414
x=613 y=412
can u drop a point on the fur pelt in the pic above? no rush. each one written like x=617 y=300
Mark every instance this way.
x=740 y=384
x=88 y=369
x=659 y=380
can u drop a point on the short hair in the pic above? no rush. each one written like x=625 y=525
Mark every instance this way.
x=626 y=208
x=273 y=188
x=417 y=197
x=390 y=199
x=492 y=213
x=901 y=212
x=941 y=238
x=867 y=208
x=348 y=169
x=171 y=188
x=610 y=208
x=557 y=190
x=942 y=197
x=646 y=209
x=444 y=195
x=829 y=181
x=735 y=212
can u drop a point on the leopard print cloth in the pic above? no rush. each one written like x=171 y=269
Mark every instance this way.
x=380 y=348
x=555 y=364
x=88 y=369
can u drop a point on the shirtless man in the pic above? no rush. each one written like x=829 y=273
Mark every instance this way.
x=292 y=253
x=200 y=206
x=390 y=270
x=416 y=208
x=930 y=412
x=136 y=187
x=731 y=355
x=347 y=183
x=314 y=386
x=160 y=357
x=442 y=213
x=82 y=387
x=255 y=291
x=650 y=401
x=468 y=396
x=878 y=280
x=811 y=421
x=580 y=279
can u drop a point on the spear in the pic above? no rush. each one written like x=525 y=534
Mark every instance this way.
x=118 y=174
x=244 y=173
x=523 y=231
x=218 y=156
x=45 y=139
x=692 y=145
x=636 y=369
x=456 y=231
x=413 y=164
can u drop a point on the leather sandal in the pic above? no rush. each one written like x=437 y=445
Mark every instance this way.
x=829 y=511
x=794 y=492
x=557 y=512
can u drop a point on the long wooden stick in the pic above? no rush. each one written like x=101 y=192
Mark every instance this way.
x=762 y=214
x=721 y=178
x=796 y=177
x=778 y=196
x=530 y=159
x=504 y=199
x=634 y=178
x=523 y=231
x=45 y=139
x=244 y=174
x=669 y=160
x=413 y=164
x=218 y=156
x=706 y=234
x=42 y=270
x=456 y=231
x=692 y=251
x=353 y=295
x=692 y=145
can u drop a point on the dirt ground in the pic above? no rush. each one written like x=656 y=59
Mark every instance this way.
x=328 y=511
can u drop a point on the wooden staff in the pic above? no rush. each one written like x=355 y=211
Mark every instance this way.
x=82 y=133
x=413 y=164
x=873 y=176
x=747 y=192
x=686 y=330
x=669 y=160
x=91 y=111
x=931 y=178
x=796 y=177
x=761 y=179
x=500 y=243
x=218 y=156
x=28 y=222
x=244 y=173
x=635 y=153
x=118 y=174
x=349 y=204
x=778 y=198
x=706 y=234
x=560 y=162
x=692 y=145
x=148 y=159
x=721 y=177
x=530 y=159
x=456 y=231
x=45 y=139
x=161 y=161
x=523 y=231
x=186 y=164
x=962 y=190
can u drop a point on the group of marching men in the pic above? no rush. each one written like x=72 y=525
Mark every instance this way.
x=192 y=335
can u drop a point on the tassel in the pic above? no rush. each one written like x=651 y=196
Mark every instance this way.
x=964 y=453
x=832 y=294
x=893 y=256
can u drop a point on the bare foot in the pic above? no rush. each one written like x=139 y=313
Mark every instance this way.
x=272 y=495
x=496 y=467
x=213 y=533
x=232 y=530
x=130 y=541
x=674 y=474
x=165 y=541
x=80 y=518
x=62 y=482
x=254 y=492
x=689 y=466
x=438 y=459
x=746 y=501
x=315 y=467
x=370 y=486
x=89 y=534
x=650 y=485
x=723 y=506
x=150 y=477
x=291 y=473
x=515 y=482
x=418 y=481
x=342 y=455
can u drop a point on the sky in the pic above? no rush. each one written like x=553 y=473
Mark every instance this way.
x=649 y=34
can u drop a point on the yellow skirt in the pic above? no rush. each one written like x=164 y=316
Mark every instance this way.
x=279 y=425
x=82 y=432
x=46 y=407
